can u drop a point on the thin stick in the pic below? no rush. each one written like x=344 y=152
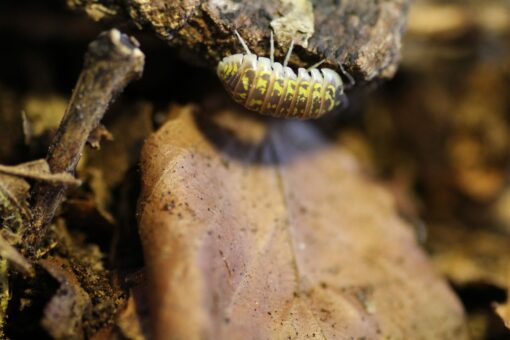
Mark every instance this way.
x=242 y=42
x=111 y=62
x=289 y=52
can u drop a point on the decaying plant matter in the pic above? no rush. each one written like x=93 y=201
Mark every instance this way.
x=363 y=35
x=265 y=230
x=251 y=227
x=86 y=300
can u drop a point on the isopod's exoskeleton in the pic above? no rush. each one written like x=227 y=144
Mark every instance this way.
x=270 y=88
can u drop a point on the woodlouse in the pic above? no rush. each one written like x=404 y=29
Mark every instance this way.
x=268 y=87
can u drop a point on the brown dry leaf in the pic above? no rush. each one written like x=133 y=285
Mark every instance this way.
x=10 y=253
x=42 y=114
x=503 y=309
x=130 y=322
x=118 y=155
x=255 y=230
x=468 y=256
x=39 y=170
x=14 y=208
x=106 y=170
x=63 y=315
x=14 y=213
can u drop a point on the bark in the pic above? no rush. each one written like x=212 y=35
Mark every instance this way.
x=363 y=35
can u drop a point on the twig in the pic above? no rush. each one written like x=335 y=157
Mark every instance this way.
x=111 y=62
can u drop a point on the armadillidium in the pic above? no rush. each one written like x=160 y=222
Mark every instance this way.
x=270 y=88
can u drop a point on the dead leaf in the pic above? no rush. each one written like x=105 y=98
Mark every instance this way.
x=63 y=315
x=4 y=294
x=470 y=256
x=10 y=253
x=503 y=310
x=117 y=156
x=129 y=321
x=104 y=171
x=39 y=170
x=261 y=229
x=14 y=209
x=43 y=114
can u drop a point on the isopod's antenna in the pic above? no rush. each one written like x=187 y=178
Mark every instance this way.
x=350 y=78
x=271 y=49
x=242 y=42
x=316 y=65
x=287 y=57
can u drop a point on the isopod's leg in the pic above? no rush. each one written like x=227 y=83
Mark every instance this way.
x=242 y=42
x=344 y=103
x=271 y=49
x=350 y=78
x=287 y=57
x=315 y=65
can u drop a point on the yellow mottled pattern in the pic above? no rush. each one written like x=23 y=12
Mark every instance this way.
x=254 y=103
x=258 y=93
x=278 y=88
x=263 y=81
x=303 y=93
x=274 y=95
x=234 y=69
x=316 y=98
x=228 y=74
x=259 y=88
x=242 y=89
x=246 y=82
x=329 y=98
x=290 y=92
x=291 y=89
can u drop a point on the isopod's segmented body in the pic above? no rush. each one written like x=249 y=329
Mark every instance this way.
x=270 y=88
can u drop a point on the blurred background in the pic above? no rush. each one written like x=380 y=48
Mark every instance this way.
x=437 y=135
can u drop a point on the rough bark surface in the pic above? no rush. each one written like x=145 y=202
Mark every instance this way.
x=112 y=61
x=364 y=35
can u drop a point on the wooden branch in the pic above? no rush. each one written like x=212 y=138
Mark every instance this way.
x=111 y=62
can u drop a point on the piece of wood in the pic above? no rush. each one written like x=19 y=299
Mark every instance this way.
x=112 y=61
x=364 y=35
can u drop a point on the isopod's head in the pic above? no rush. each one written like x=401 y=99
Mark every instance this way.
x=228 y=69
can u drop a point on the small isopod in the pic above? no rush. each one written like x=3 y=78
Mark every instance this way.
x=270 y=88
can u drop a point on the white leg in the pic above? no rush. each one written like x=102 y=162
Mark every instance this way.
x=287 y=57
x=243 y=43
x=271 y=49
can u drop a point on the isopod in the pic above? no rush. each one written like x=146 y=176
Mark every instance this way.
x=270 y=88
